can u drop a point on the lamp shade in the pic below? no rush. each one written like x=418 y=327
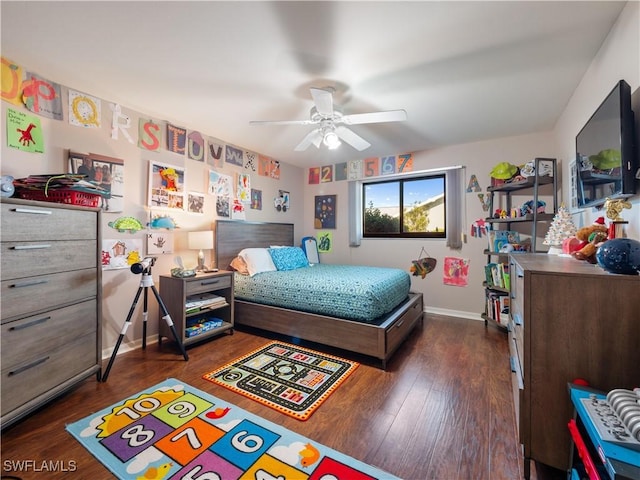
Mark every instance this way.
x=201 y=240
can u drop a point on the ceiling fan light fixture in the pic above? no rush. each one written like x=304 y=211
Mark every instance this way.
x=331 y=140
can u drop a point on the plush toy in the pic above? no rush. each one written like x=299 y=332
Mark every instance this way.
x=590 y=237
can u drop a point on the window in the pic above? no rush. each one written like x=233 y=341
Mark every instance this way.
x=411 y=207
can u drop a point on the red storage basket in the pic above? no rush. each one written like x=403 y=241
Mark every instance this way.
x=61 y=195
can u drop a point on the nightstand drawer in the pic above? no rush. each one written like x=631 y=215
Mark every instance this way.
x=36 y=294
x=30 y=337
x=25 y=381
x=206 y=284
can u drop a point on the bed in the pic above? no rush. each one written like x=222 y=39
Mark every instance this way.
x=364 y=332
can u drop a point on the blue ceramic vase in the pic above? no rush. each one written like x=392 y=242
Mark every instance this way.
x=620 y=255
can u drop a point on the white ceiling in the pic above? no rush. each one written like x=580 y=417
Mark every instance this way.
x=463 y=71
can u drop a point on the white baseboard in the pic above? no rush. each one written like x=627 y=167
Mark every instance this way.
x=129 y=346
x=453 y=313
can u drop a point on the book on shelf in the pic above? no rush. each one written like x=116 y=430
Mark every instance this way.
x=195 y=303
x=497 y=275
x=497 y=238
x=498 y=308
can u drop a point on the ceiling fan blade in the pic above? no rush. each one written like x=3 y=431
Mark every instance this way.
x=375 y=117
x=323 y=100
x=313 y=137
x=356 y=141
x=282 y=122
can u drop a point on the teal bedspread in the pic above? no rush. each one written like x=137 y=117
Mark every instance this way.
x=345 y=291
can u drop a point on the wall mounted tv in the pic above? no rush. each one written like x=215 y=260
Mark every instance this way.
x=606 y=159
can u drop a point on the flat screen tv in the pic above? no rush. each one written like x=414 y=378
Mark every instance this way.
x=606 y=159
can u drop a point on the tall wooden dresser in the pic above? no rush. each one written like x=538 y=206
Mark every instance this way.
x=51 y=293
x=569 y=320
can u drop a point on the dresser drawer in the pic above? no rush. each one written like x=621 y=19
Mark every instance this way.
x=23 y=382
x=398 y=330
x=207 y=284
x=24 y=259
x=41 y=293
x=44 y=222
x=34 y=336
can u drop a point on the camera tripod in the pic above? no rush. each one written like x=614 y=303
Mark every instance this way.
x=146 y=283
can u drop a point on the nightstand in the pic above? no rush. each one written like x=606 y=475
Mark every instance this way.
x=201 y=307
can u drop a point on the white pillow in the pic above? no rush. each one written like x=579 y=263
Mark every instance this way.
x=257 y=260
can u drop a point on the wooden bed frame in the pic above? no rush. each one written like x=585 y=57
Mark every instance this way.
x=380 y=339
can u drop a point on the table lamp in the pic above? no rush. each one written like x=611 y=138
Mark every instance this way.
x=201 y=241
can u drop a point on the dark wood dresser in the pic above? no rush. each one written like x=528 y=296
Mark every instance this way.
x=50 y=312
x=568 y=320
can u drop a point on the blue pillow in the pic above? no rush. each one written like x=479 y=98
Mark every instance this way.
x=288 y=258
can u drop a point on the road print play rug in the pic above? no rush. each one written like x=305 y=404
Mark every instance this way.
x=175 y=431
x=288 y=378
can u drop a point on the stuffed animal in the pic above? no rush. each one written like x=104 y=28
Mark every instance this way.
x=591 y=237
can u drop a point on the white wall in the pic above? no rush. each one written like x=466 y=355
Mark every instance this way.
x=478 y=158
x=618 y=58
x=120 y=286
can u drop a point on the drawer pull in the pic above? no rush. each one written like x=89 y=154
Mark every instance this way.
x=209 y=282
x=399 y=324
x=28 y=366
x=29 y=324
x=30 y=247
x=28 y=284
x=31 y=210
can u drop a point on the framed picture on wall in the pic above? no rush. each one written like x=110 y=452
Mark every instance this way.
x=325 y=211
x=166 y=186
x=105 y=173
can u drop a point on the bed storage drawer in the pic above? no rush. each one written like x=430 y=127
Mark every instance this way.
x=398 y=330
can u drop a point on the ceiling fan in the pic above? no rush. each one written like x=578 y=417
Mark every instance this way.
x=330 y=121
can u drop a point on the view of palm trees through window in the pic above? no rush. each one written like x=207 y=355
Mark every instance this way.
x=405 y=208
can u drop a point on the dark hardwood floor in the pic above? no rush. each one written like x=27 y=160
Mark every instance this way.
x=441 y=410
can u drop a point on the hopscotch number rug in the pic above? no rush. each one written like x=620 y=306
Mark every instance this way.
x=288 y=378
x=175 y=431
